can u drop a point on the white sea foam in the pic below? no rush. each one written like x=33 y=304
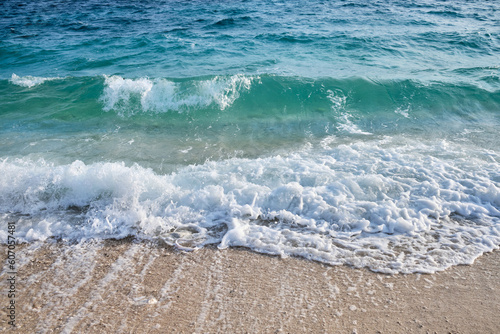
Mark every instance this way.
x=403 y=111
x=160 y=95
x=29 y=81
x=391 y=208
x=344 y=117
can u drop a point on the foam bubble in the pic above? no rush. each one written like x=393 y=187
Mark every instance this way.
x=361 y=204
x=160 y=95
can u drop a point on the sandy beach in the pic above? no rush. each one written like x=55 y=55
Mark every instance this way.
x=154 y=154
x=129 y=287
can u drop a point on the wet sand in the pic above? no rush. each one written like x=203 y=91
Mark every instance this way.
x=128 y=287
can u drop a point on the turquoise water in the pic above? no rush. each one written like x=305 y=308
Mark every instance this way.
x=345 y=132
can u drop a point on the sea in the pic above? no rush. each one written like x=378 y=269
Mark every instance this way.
x=360 y=133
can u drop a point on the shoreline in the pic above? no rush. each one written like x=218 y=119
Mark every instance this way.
x=136 y=287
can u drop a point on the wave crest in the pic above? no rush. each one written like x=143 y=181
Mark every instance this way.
x=129 y=96
x=29 y=81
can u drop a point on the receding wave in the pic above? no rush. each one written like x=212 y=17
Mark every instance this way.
x=403 y=208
